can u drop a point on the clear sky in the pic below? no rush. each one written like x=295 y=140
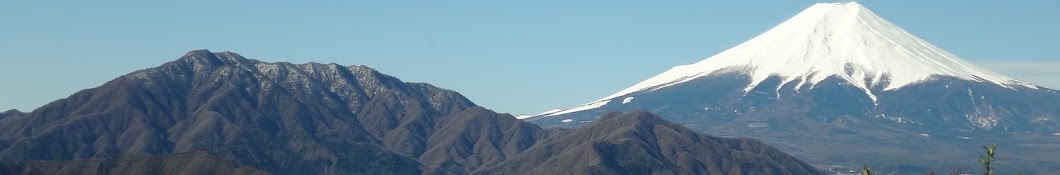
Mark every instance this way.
x=510 y=56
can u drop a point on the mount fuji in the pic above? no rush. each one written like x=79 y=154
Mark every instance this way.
x=839 y=86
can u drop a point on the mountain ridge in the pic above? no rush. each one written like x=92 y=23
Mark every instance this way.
x=286 y=118
x=225 y=104
x=660 y=143
x=9 y=113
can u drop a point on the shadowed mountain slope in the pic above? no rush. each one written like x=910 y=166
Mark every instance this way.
x=194 y=163
x=643 y=143
x=10 y=113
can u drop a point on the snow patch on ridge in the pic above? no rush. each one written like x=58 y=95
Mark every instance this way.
x=549 y=112
x=589 y=106
x=523 y=116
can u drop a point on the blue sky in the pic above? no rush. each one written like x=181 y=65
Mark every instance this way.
x=516 y=57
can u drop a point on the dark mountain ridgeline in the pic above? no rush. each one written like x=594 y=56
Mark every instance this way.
x=313 y=118
x=10 y=113
x=643 y=143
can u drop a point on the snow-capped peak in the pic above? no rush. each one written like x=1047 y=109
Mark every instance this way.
x=843 y=40
x=832 y=39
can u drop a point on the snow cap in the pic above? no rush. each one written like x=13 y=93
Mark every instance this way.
x=841 y=40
